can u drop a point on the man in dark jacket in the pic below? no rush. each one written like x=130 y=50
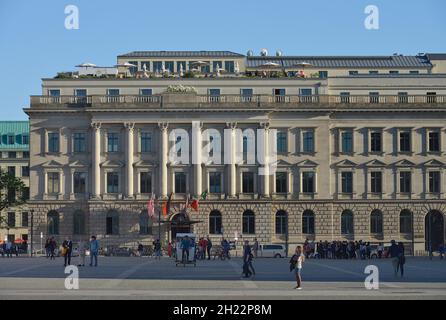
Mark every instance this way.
x=394 y=255
x=68 y=245
x=209 y=247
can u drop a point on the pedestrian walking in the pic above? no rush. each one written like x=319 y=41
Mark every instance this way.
x=68 y=248
x=47 y=248
x=246 y=272
x=94 y=250
x=296 y=263
x=208 y=247
x=394 y=252
x=140 y=249
x=255 y=247
x=157 y=248
x=53 y=246
x=8 y=249
x=401 y=258
x=169 y=249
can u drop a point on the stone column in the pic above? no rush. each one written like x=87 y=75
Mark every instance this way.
x=164 y=144
x=231 y=159
x=129 y=159
x=265 y=165
x=196 y=151
x=96 y=159
x=72 y=170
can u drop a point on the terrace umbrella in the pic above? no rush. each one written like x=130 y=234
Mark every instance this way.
x=86 y=65
x=270 y=65
x=199 y=63
x=125 y=65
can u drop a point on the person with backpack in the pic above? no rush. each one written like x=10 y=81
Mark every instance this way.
x=296 y=263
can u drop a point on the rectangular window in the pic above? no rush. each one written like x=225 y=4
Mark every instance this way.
x=11 y=139
x=305 y=95
x=282 y=143
x=54 y=93
x=157 y=66
x=347 y=182
x=53 y=182
x=11 y=170
x=180 y=182
x=53 y=142
x=403 y=97
x=376 y=182
x=25 y=171
x=215 y=182
x=431 y=97
x=405 y=141
x=323 y=74
x=112 y=95
x=25 y=219
x=146 y=182
x=112 y=182
x=11 y=219
x=373 y=72
x=405 y=182
x=308 y=141
x=145 y=65
x=308 y=182
x=168 y=65
x=353 y=72
x=12 y=154
x=145 y=92
x=229 y=66
x=375 y=142
x=347 y=141
x=80 y=182
x=434 y=141
x=246 y=94
x=146 y=142
x=414 y=72
x=248 y=182
x=279 y=95
x=80 y=96
x=112 y=142
x=25 y=193
x=345 y=97
x=214 y=95
x=79 y=142
x=217 y=64
x=206 y=68
x=374 y=97
x=25 y=139
x=25 y=154
x=281 y=182
x=394 y=72
x=133 y=69
x=434 y=181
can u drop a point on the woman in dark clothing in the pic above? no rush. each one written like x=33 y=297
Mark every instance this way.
x=401 y=258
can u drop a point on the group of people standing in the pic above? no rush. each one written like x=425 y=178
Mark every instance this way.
x=66 y=250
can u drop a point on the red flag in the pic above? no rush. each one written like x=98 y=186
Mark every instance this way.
x=151 y=207
x=194 y=204
x=166 y=205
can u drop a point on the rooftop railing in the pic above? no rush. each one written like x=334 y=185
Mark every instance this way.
x=233 y=100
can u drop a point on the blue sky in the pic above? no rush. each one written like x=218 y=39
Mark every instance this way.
x=35 y=43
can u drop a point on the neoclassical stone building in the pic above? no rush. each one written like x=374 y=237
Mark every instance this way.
x=360 y=144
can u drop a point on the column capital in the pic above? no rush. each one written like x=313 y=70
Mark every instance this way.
x=129 y=125
x=197 y=124
x=163 y=125
x=231 y=125
x=96 y=125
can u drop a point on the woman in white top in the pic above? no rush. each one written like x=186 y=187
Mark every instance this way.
x=297 y=261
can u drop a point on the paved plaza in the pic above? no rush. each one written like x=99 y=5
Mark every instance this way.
x=147 y=278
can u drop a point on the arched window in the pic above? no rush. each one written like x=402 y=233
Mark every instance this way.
x=145 y=223
x=281 y=222
x=112 y=222
x=347 y=225
x=215 y=222
x=248 y=222
x=78 y=222
x=308 y=222
x=376 y=221
x=53 y=222
x=405 y=221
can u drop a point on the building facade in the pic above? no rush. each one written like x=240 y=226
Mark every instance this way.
x=360 y=144
x=14 y=152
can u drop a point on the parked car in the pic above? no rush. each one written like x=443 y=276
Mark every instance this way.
x=272 y=251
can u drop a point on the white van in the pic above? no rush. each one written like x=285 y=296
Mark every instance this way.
x=272 y=251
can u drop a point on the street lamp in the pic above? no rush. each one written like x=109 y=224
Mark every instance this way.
x=32 y=231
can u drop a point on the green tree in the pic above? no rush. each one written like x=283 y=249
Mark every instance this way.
x=13 y=192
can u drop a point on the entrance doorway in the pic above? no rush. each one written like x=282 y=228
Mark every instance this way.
x=434 y=230
x=180 y=224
